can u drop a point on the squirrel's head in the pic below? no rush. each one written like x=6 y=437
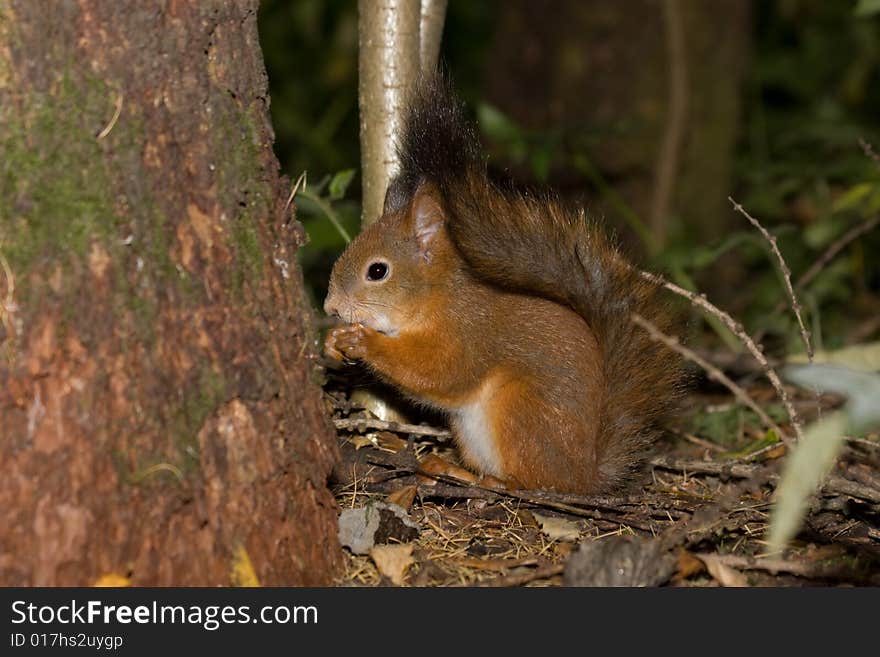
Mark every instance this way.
x=391 y=272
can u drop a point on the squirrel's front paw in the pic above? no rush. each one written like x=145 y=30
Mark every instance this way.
x=346 y=342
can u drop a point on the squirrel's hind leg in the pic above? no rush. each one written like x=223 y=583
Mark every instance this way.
x=541 y=445
x=434 y=467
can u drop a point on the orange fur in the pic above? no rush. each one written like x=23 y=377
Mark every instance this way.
x=506 y=312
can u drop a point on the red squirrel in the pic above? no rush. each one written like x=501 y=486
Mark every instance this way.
x=506 y=312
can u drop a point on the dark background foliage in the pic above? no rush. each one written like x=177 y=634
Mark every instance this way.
x=806 y=90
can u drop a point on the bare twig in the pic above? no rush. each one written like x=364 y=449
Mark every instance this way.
x=737 y=329
x=713 y=372
x=450 y=487
x=834 y=485
x=869 y=151
x=362 y=424
x=751 y=456
x=116 y=112
x=301 y=181
x=841 y=486
x=831 y=252
x=774 y=566
x=724 y=468
x=328 y=211
x=543 y=572
x=786 y=276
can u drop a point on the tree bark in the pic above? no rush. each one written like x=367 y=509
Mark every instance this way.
x=160 y=418
x=398 y=39
x=388 y=63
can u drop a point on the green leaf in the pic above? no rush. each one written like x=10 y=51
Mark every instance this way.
x=340 y=183
x=769 y=438
x=804 y=470
x=498 y=126
x=540 y=161
x=862 y=390
x=853 y=196
x=861 y=357
x=867 y=7
x=820 y=233
x=814 y=457
x=872 y=205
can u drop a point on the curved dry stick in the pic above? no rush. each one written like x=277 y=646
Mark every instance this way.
x=117 y=111
x=831 y=252
x=786 y=276
x=736 y=328
x=361 y=424
x=869 y=151
x=713 y=372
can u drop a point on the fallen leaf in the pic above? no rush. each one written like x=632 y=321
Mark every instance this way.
x=723 y=574
x=112 y=579
x=393 y=560
x=688 y=565
x=362 y=441
x=558 y=529
x=433 y=466
x=802 y=473
x=564 y=550
x=403 y=497
x=390 y=441
x=243 y=573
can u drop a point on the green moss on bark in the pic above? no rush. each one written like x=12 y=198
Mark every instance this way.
x=236 y=134
x=55 y=190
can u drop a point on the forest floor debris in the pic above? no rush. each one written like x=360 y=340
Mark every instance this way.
x=698 y=520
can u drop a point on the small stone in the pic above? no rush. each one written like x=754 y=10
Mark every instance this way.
x=620 y=561
x=372 y=524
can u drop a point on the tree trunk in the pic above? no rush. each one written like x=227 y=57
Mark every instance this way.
x=160 y=418
x=397 y=40
x=388 y=62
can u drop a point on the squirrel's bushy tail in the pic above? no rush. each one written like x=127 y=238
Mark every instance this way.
x=530 y=243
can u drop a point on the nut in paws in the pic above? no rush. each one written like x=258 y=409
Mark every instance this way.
x=346 y=342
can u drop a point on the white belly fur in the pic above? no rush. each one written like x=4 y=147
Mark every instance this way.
x=475 y=435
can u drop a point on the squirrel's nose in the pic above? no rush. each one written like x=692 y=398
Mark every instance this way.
x=331 y=304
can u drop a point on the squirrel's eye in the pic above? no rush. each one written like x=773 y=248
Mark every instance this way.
x=377 y=271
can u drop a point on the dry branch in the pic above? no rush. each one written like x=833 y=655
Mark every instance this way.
x=869 y=151
x=833 y=485
x=518 y=579
x=712 y=372
x=700 y=301
x=362 y=424
x=831 y=252
x=786 y=276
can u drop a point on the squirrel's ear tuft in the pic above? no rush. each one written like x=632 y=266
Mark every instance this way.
x=395 y=197
x=427 y=218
